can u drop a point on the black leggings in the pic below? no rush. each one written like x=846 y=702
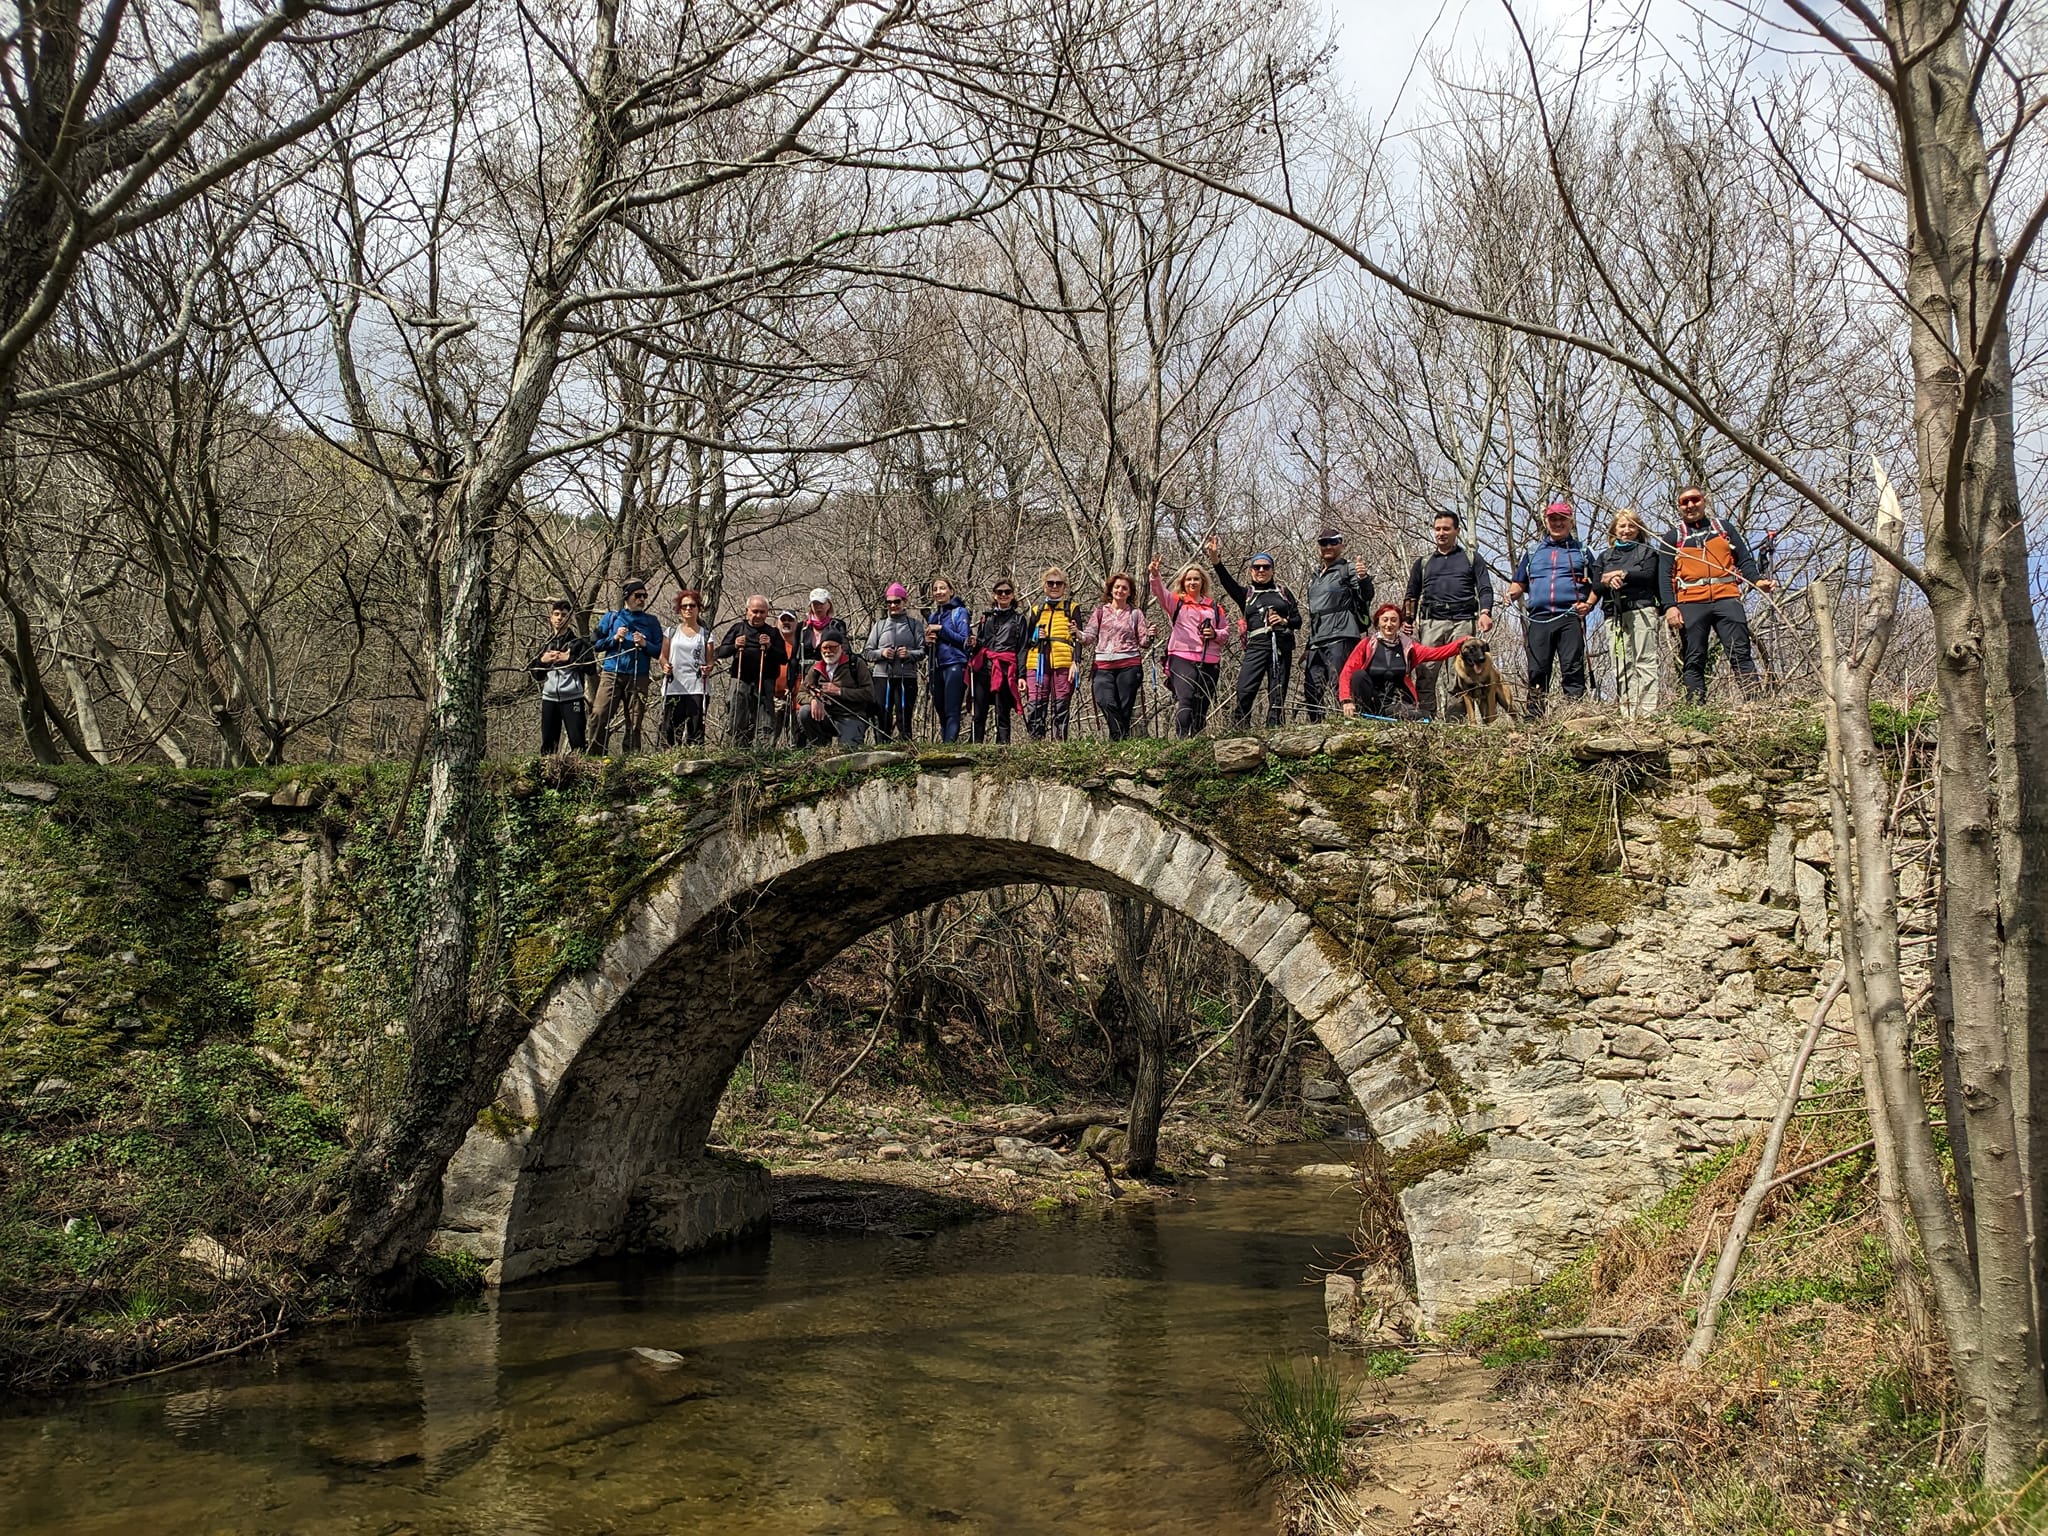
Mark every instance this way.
x=986 y=698
x=895 y=702
x=1386 y=697
x=1116 y=697
x=1194 y=689
x=1267 y=663
x=682 y=719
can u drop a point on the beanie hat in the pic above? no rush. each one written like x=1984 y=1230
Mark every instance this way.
x=832 y=631
x=631 y=585
x=896 y=590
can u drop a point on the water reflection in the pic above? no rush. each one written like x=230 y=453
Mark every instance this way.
x=1069 y=1374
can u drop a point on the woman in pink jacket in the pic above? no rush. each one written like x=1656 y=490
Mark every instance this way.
x=1118 y=633
x=1194 y=646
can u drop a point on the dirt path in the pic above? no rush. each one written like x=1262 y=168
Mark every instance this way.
x=1423 y=1429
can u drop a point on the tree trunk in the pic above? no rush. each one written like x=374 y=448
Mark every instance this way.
x=1132 y=924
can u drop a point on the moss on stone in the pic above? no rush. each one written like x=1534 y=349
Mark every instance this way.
x=1431 y=1152
x=1751 y=824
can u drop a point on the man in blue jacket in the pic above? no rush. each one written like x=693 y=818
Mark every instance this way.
x=1556 y=579
x=629 y=640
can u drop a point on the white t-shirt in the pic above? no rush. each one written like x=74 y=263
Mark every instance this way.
x=686 y=653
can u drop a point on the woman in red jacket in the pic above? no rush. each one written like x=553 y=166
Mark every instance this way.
x=1379 y=676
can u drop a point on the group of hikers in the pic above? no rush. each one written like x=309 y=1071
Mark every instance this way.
x=803 y=679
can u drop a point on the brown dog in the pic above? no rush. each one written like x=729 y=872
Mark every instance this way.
x=1479 y=686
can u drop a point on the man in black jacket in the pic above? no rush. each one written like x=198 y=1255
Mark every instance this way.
x=1339 y=599
x=1271 y=617
x=564 y=665
x=758 y=656
x=1450 y=596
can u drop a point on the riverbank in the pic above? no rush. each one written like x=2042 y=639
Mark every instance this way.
x=1826 y=1405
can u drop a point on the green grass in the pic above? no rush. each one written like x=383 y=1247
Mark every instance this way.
x=1296 y=1415
x=1383 y=1364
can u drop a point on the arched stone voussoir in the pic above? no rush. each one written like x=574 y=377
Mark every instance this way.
x=610 y=1098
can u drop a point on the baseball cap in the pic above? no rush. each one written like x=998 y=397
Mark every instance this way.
x=1557 y=509
x=1329 y=536
x=820 y=595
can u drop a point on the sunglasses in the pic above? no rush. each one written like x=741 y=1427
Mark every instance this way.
x=1051 y=584
x=687 y=606
x=897 y=602
x=1004 y=591
x=1261 y=565
x=1692 y=501
x=1329 y=543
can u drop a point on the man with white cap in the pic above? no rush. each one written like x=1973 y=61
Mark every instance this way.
x=803 y=646
x=895 y=653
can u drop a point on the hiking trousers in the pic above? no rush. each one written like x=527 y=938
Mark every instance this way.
x=1700 y=622
x=1434 y=680
x=1267 y=663
x=620 y=696
x=1556 y=640
x=1319 y=673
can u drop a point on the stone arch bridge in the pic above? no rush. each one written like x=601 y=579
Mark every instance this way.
x=1549 y=976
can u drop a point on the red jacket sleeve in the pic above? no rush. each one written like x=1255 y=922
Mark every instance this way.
x=1352 y=664
x=1422 y=655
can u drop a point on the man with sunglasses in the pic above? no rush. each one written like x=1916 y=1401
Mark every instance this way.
x=1271 y=617
x=629 y=640
x=1339 y=600
x=1705 y=566
x=998 y=641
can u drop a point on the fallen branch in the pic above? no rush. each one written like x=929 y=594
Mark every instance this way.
x=1821 y=1162
x=181 y=1365
x=1048 y=1125
x=1760 y=1186
x=1566 y=1335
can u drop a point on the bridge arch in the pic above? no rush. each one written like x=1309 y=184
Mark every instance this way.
x=612 y=1092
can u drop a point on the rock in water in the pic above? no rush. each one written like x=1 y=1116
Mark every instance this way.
x=655 y=1359
x=1019 y=1152
x=1326 y=1171
x=1340 y=1308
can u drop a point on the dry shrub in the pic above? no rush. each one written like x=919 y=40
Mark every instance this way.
x=1825 y=1405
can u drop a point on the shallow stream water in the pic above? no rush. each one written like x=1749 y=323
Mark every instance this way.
x=1072 y=1373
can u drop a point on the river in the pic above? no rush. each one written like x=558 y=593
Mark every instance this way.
x=1071 y=1373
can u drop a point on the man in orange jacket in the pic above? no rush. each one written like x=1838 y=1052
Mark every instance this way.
x=1705 y=563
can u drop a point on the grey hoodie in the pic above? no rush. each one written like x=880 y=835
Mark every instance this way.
x=890 y=631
